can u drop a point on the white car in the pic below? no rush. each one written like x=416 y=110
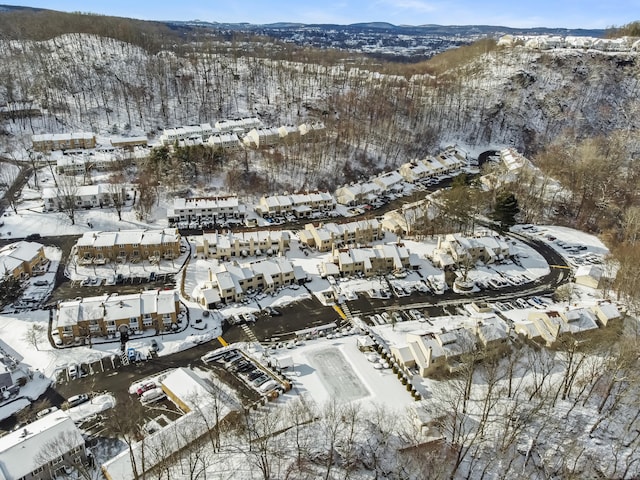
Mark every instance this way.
x=56 y=338
x=74 y=372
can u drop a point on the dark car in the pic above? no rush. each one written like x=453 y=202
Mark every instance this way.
x=32 y=236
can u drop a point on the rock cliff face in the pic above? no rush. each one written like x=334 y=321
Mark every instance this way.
x=507 y=96
x=539 y=95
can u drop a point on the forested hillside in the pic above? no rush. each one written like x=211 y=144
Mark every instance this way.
x=378 y=114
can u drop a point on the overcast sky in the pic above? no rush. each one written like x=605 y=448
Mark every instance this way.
x=511 y=13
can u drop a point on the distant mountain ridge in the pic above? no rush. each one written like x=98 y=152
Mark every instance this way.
x=427 y=28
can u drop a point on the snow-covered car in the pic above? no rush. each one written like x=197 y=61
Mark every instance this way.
x=77 y=400
x=74 y=372
x=145 y=387
x=56 y=338
x=46 y=411
x=153 y=395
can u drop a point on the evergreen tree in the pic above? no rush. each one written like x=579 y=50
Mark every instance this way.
x=506 y=210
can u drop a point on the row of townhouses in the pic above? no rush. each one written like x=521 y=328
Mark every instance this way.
x=369 y=261
x=236 y=134
x=128 y=246
x=107 y=314
x=234 y=280
x=48 y=142
x=242 y=244
x=22 y=260
x=455 y=249
x=430 y=350
x=447 y=162
x=101 y=160
x=302 y=205
x=326 y=236
x=204 y=131
x=206 y=210
x=84 y=196
x=63 y=141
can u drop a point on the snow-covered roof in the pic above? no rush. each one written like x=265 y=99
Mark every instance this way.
x=128 y=237
x=608 y=310
x=24 y=450
x=593 y=271
x=23 y=251
x=188 y=386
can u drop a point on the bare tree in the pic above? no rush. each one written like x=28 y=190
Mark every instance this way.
x=34 y=334
x=67 y=197
x=117 y=193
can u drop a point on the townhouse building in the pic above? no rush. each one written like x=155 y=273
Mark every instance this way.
x=128 y=246
x=239 y=126
x=22 y=259
x=41 y=450
x=262 y=137
x=63 y=141
x=242 y=244
x=225 y=141
x=189 y=132
x=469 y=250
x=302 y=205
x=106 y=315
x=234 y=280
x=376 y=260
x=327 y=236
x=206 y=210
x=358 y=193
x=84 y=196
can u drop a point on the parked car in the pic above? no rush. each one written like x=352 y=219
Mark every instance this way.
x=145 y=387
x=153 y=395
x=32 y=236
x=74 y=372
x=46 y=411
x=77 y=400
x=41 y=283
x=56 y=338
x=154 y=345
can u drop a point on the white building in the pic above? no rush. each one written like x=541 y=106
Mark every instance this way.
x=225 y=141
x=86 y=196
x=206 y=210
x=190 y=132
x=302 y=205
x=262 y=137
x=358 y=193
x=238 y=126
x=242 y=244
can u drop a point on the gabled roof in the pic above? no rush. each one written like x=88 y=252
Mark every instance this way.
x=22 y=451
